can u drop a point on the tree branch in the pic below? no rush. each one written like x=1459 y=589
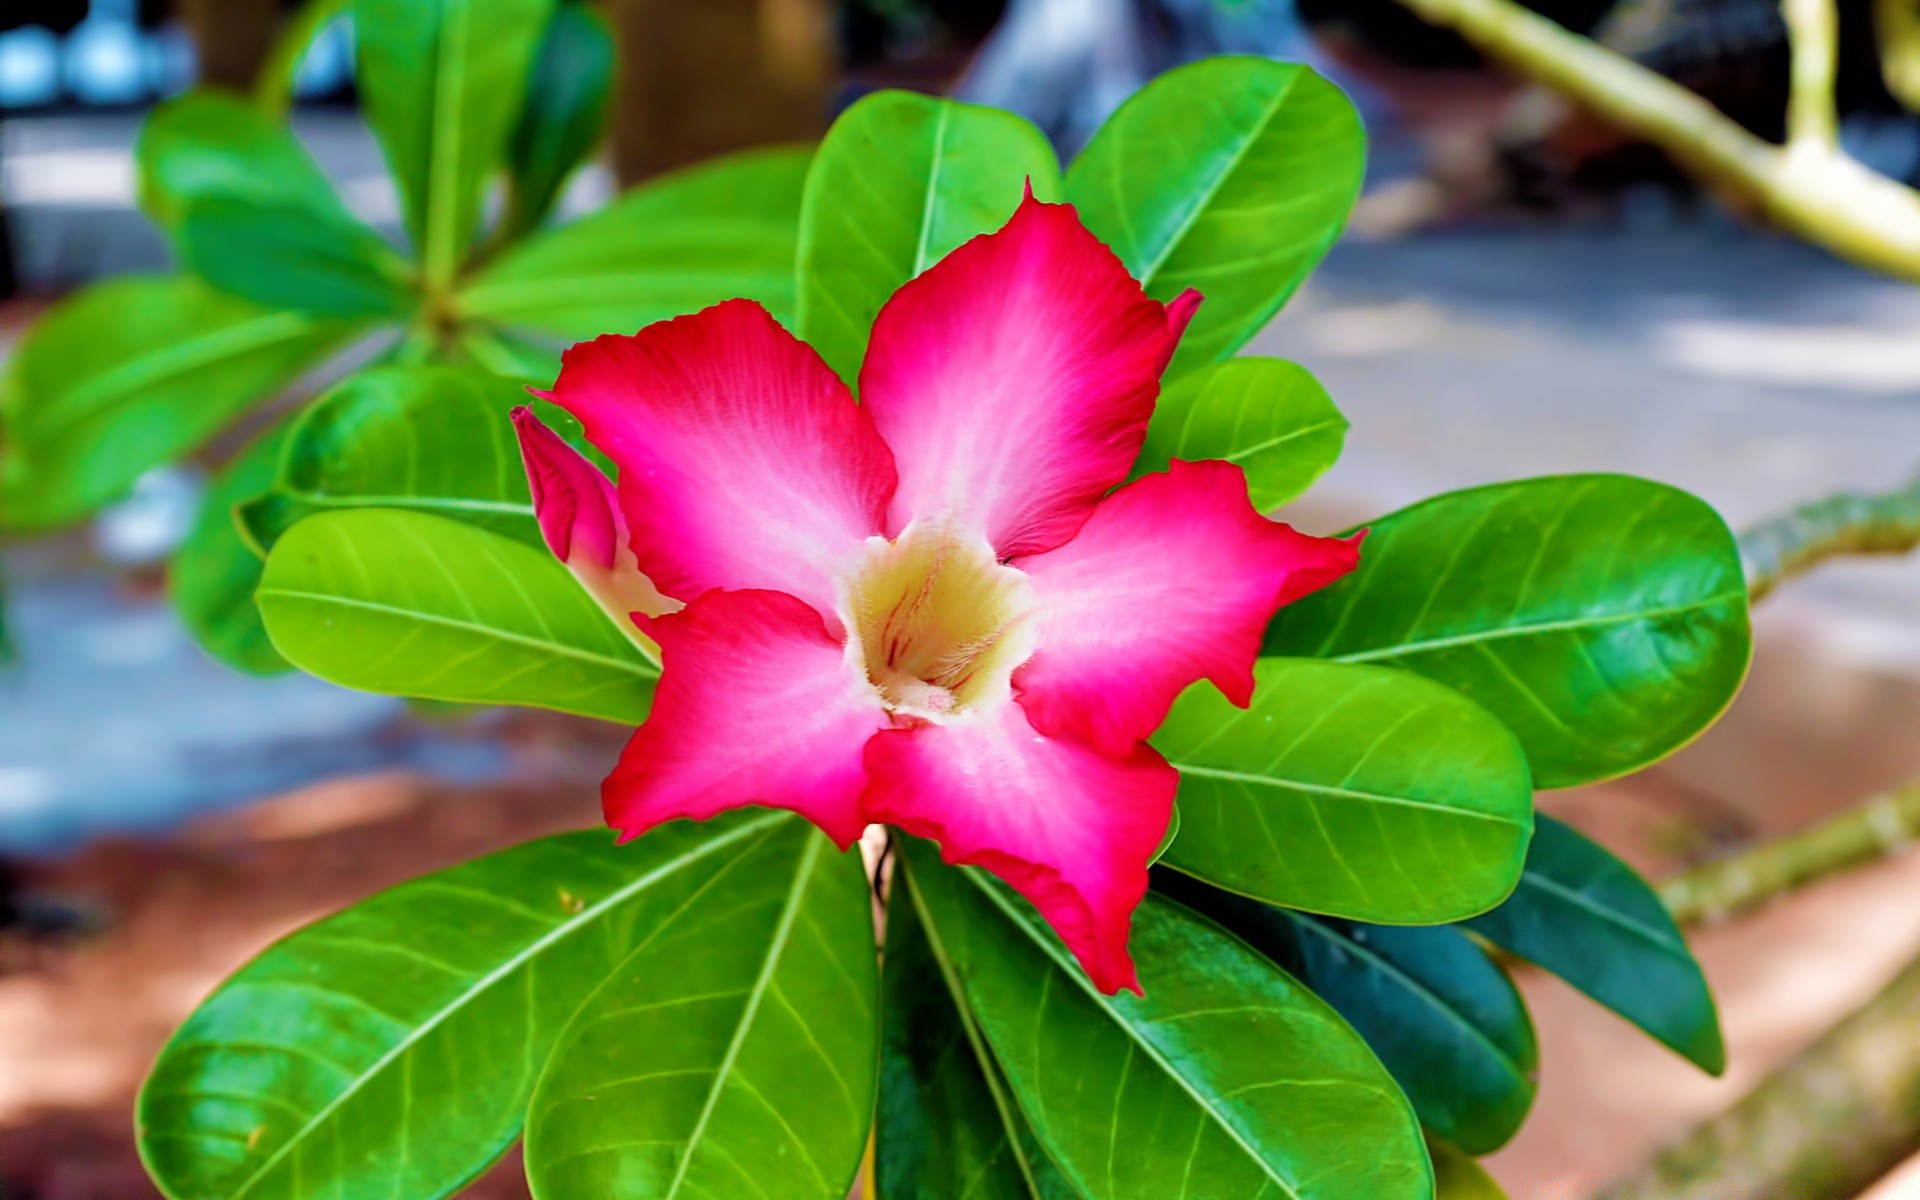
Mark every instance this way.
x=1884 y=824
x=1848 y=523
x=1809 y=188
x=1814 y=31
x=1824 y=1126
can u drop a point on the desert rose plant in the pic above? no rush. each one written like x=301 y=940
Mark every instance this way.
x=1194 y=830
x=280 y=285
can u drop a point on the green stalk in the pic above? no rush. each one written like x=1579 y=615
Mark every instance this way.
x=1848 y=523
x=1884 y=824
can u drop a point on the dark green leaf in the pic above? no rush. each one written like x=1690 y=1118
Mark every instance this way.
x=674 y=245
x=432 y=439
x=390 y=1049
x=411 y=604
x=212 y=577
x=1584 y=915
x=1361 y=792
x=733 y=1053
x=1227 y=1079
x=948 y=1125
x=1232 y=175
x=1441 y=1016
x=1459 y=1177
x=1602 y=617
x=900 y=181
x=127 y=375
x=442 y=82
x=250 y=212
x=564 y=112
x=1268 y=415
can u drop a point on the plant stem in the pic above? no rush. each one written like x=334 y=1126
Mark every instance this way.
x=1808 y=187
x=1814 y=30
x=1883 y=824
x=1822 y=1127
x=1848 y=523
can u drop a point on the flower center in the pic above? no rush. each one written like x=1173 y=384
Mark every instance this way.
x=935 y=621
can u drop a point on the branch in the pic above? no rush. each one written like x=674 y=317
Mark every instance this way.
x=1813 y=29
x=1849 y=523
x=1884 y=824
x=1824 y=1126
x=1809 y=187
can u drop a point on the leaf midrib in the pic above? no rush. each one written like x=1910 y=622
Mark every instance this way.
x=559 y=932
x=1327 y=789
x=1611 y=916
x=1150 y=270
x=1081 y=981
x=1525 y=629
x=175 y=360
x=1419 y=989
x=776 y=949
x=559 y=649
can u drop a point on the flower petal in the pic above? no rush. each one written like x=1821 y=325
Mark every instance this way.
x=1071 y=829
x=580 y=519
x=744 y=461
x=757 y=704
x=1014 y=379
x=1173 y=579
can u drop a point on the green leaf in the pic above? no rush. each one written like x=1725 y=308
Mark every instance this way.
x=1268 y=415
x=431 y=439
x=411 y=604
x=279 y=75
x=1584 y=915
x=130 y=374
x=250 y=213
x=563 y=115
x=1602 y=617
x=1443 y=1019
x=391 y=1048
x=671 y=246
x=1228 y=1078
x=1459 y=1177
x=1355 y=791
x=1232 y=175
x=947 y=1124
x=900 y=181
x=733 y=1052
x=212 y=577
x=442 y=82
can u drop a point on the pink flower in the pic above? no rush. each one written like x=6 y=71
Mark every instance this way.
x=930 y=608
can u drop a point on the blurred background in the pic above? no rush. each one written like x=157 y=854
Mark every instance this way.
x=1523 y=291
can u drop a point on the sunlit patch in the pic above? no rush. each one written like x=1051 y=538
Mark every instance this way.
x=935 y=622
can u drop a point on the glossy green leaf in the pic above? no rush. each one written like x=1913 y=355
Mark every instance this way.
x=1444 y=1020
x=948 y=1124
x=733 y=1053
x=212 y=576
x=127 y=375
x=430 y=439
x=441 y=82
x=900 y=181
x=1355 y=791
x=279 y=75
x=1228 y=1078
x=1602 y=617
x=1460 y=1178
x=673 y=245
x=390 y=1049
x=250 y=212
x=564 y=113
x=1585 y=916
x=412 y=604
x=1268 y=415
x=1232 y=175
x=526 y=359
